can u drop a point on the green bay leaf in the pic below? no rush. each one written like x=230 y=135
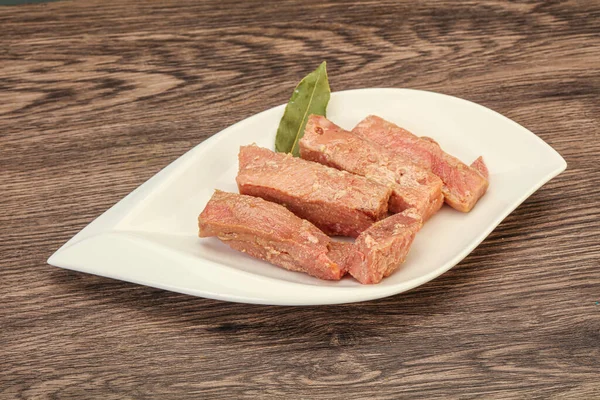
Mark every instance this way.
x=310 y=97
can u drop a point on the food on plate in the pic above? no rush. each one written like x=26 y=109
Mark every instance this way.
x=337 y=202
x=480 y=167
x=310 y=97
x=381 y=249
x=463 y=185
x=344 y=183
x=271 y=232
x=339 y=252
x=412 y=186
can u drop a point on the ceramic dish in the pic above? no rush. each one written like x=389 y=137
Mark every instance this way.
x=150 y=237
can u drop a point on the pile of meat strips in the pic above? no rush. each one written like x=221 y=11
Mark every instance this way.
x=378 y=183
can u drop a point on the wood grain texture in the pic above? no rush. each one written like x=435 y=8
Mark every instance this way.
x=96 y=97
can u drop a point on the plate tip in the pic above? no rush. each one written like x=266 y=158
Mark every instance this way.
x=53 y=259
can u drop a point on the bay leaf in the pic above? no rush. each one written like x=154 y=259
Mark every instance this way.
x=310 y=97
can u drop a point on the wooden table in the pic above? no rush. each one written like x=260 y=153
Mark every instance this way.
x=98 y=96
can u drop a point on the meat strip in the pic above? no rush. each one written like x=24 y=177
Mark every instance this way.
x=463 y=185
x=271 y=232
x=337 y=202
x=382 y=248
x=412 y=186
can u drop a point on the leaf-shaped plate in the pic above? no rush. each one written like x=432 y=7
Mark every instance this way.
x=150 y=237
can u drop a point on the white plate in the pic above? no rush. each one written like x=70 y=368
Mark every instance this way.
x=150 y=237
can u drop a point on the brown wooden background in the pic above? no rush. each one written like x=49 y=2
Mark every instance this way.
x=97 y=96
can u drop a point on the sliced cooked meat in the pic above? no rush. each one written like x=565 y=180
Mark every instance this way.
x=337 y=202
x=412 y=186
x=480 y=167
x=271 y=232
x=381 y=249
x=463 y=185
x=339 y=253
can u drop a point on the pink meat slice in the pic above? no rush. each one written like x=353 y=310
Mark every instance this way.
x=412 y=186
x=339 y=253
x=382 y=248
x=271 y=232
x=463 y=185
x=337 y=202
x=480 y=167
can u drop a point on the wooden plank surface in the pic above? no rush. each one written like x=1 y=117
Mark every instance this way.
x=97 y=96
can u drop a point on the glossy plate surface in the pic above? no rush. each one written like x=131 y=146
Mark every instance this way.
x=150 y=237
